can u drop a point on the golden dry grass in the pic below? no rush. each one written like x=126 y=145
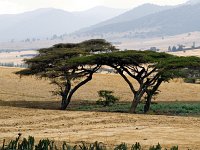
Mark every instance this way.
x=14 y=57
x=195 y=52
x=91 y=126
x=30 y=89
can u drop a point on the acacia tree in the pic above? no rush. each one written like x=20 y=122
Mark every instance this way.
x=174 y=67
x=54 y=63
x=66 y=63
x=148 y=68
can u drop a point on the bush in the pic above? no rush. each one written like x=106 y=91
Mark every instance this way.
x=106 y=98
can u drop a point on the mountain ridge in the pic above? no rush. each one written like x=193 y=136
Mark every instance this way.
x=45 y=22
x=135 y=13
x=185 y=18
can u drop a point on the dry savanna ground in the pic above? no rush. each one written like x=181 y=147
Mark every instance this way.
x=15 y=56
x=162 y=43
x=27 y=106
x=195 y=52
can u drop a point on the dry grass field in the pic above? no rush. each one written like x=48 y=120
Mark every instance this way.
x=15 y=56
x=195 y=52
x=27 y=106
x=162 y=42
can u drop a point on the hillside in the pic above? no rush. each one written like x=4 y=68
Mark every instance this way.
x=178 y=20
x=193 y=2
x=135 y=13
x=46 y=22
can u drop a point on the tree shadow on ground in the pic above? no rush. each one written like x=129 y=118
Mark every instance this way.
x=162 y=108
x=75 y=105
x=51 y=105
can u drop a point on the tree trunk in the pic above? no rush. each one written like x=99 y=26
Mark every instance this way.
x=134 y=104
x=65 y=102
x=66 y=98
x=148 y=103
x=150 y=94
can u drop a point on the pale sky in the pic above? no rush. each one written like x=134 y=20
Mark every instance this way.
x=18 y=6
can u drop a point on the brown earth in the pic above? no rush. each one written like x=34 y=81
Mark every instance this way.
x=111 y=128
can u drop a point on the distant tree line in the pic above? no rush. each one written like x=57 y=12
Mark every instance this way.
x=181 y=47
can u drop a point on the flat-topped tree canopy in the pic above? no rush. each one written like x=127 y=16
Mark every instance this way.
x=181 y=67
x=190 y=62
x=130 y=57
x=89 y=46
x=160 y=60
x=54 y=56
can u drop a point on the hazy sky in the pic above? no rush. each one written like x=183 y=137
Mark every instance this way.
x=18 y=6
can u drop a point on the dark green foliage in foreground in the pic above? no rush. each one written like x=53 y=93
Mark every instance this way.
x=46 y=144
x=106 y=98
x=157 y=147
x=174 y=148
x=25 y=144
x=122 y=146
x=136 y=146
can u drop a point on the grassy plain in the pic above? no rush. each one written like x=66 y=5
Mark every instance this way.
x=27 y=106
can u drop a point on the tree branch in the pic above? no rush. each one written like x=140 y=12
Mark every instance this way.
x=125 y=78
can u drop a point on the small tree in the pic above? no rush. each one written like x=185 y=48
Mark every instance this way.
x=106 y=98
x=169 y=49
x=193 y=45
x=174 y=49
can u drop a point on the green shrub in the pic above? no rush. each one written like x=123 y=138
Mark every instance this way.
x=106 y=98
x=122 y=146
x=47 y=144
x=95 y=146
x=65 y=146
x=174 y=148
x=157 y=147
x=27 y=144
x=136 y=146
x=99 y=146
x=12 y=145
